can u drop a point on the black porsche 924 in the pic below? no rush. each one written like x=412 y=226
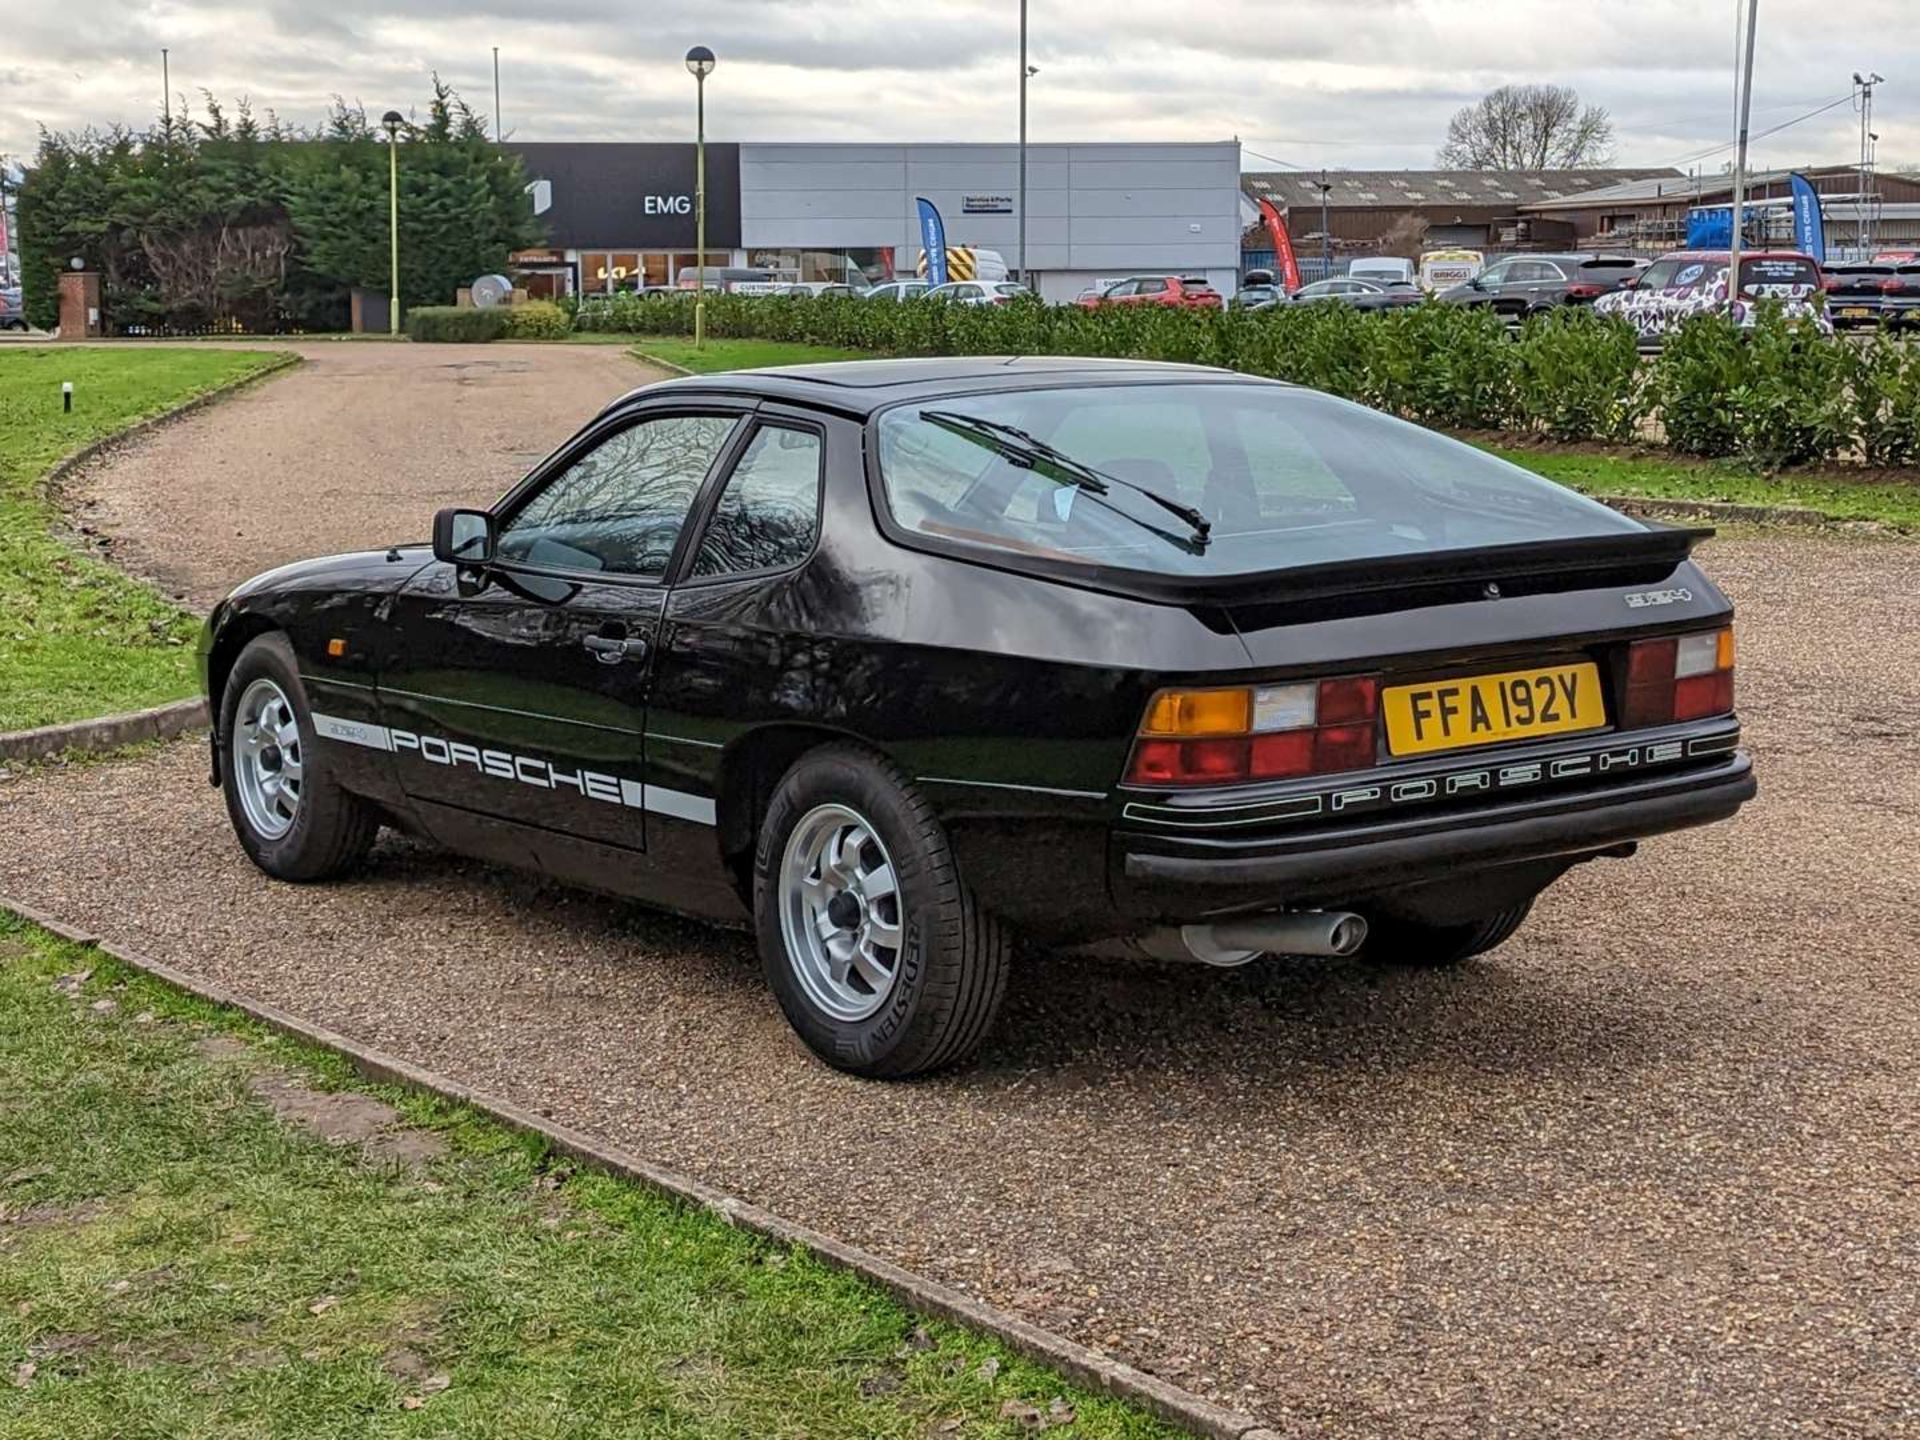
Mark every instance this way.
x=898 y=660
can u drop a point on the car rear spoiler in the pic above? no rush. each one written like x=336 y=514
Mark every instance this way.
x=1388 y=582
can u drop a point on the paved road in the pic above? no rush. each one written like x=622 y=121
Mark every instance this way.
x=356 y=448
x=1651 y=1169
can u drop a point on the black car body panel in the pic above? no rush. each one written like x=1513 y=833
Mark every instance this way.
x=622 y=733
x=1521 y=285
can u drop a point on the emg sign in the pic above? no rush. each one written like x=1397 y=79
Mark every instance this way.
x=669 y=205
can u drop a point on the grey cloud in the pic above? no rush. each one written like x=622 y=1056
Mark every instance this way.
x=1358 y=82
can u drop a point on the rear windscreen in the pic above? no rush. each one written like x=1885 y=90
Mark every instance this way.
x=1127 y=475
x=1786 y=272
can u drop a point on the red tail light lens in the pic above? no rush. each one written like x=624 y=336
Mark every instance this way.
x=1686 y=677
x=1267 y=732
x=1585 y=292
x=1892 y=287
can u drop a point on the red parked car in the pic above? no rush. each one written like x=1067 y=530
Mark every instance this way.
x=1190 y=291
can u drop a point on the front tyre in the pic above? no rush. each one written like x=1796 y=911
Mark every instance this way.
x=882 y=960
x=291 y=817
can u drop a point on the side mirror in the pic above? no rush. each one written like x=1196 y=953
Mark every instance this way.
x=1632 y=282
x=463 y=537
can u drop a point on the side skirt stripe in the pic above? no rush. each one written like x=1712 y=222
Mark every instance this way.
x=658 y=799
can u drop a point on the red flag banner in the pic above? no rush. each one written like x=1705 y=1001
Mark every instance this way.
x=1282 y=245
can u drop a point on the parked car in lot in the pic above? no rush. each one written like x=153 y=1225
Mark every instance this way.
x=1694 y=282
x=898 y=290
x=1382 y=270
x=1523 y=285
x=895 y=660
x=1360 y=294
x=1191 y=291
x=978 y=292
x=13 y=310
x=1870 y=292
x=832 y=289
x=1257 y=297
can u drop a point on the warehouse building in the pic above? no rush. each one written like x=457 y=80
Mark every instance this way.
x=1650 y=213
x=1402 y=212
x=621 y=215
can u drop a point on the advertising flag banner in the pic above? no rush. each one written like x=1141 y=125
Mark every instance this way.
x=1809 y=227
x=933 y=239
x=1282 y=245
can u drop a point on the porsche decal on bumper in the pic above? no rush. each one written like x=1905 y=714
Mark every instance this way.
x=531 y=770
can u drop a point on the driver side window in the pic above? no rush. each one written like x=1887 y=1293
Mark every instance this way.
x=618 y=508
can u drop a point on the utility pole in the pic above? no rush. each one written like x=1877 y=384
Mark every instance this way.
x=1326 y=233
x=1020 y=249
x=166 y=91
x=496 y=94
x=1740 y=162
x=1863 y=222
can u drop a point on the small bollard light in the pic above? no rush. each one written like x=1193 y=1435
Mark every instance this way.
x=66 y=396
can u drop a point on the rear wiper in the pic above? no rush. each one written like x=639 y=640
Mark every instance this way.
x=1027 y=451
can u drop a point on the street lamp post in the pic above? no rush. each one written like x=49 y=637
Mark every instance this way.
x=1020 y=252
x=391 y=123
x=700 y=64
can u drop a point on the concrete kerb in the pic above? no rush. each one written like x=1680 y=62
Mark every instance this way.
x=658 y=363
x=162 y=722
x=109 y=732
x=1077 y=1362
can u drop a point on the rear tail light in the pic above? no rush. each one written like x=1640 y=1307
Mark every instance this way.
x=1892 y=287
x=1831 y=283
x=1585 y=292
x=1266 y=732
x=1684 y=677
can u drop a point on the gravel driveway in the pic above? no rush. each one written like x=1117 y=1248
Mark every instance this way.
x=356 y=448
x=1651 y=1169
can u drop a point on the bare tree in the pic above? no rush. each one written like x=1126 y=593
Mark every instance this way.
x=1528 y=127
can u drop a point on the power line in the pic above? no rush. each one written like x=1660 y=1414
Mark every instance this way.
x=1775 y=130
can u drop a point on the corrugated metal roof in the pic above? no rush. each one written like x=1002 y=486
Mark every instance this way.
x=1390 y=188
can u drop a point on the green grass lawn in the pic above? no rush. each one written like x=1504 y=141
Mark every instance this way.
x=737 y=354
x=1831 y=492
x=178 y=1259
x=77 y=638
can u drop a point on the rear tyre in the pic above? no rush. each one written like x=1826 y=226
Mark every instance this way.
x=883 y=961
x=291 y=817
x=1413 y=945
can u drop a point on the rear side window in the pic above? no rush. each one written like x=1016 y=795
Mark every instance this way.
x=768 y=514
x=1104 y=475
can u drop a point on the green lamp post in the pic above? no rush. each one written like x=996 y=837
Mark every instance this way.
x=700 y=63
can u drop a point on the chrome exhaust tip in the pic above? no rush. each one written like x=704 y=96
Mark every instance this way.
x=1301 y=932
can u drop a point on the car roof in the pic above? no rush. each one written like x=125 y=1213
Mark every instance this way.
x=863 y=386
x=1744 y=255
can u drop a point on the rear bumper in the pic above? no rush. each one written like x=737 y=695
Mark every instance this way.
x=1164 y=875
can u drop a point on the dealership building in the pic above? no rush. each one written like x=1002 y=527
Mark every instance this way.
x=621 y=215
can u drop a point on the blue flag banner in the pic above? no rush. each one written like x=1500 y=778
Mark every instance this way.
x=1809 y=229
x=933 y=239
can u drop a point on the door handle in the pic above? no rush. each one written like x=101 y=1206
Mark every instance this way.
x=612 y=649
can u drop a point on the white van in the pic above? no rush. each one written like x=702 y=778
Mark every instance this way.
x=1443 y=269
x=1382 y=270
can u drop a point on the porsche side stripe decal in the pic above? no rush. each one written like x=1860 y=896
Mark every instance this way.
x=526 y=769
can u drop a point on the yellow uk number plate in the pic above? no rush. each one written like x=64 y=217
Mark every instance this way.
x=1486 y=709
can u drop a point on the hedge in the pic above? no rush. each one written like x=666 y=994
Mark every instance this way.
x=458 y=324
x=1780 y=393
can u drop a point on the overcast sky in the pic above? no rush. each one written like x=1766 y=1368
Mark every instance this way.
x=1355 y=83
